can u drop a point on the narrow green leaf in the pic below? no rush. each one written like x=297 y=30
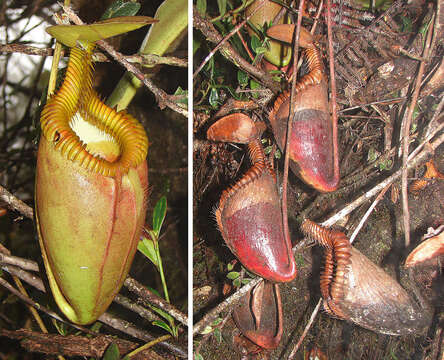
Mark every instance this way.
x=242 y=78
x=222 y=4
x=218 y=335
x=159 y=214
x=121 y=8
x=162 y=313
x=198 y=357
x=254 y=85
x=146 y=247
x=163 y=325
x=179 y=91
x=61 y=328
x=255 y=43
x=70 y=34
x=154 y=291
x=214 y=99
x=111 y=353
x=96 y=326
x=201 y=6
x=372 y=154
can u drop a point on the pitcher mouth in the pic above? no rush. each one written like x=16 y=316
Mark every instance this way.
x=88 y=132
x=98 y=142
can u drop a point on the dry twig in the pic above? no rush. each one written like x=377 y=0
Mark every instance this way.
x=406 y=123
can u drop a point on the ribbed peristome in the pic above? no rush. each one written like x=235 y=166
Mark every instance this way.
x=77 y=96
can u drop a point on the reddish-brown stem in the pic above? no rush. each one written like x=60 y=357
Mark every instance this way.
x=289 y=127
x=334 y=106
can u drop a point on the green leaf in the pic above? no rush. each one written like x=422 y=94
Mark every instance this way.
x=254 y=85
x=230 y=266
x=111 y=353
x=159 y=214
x=198 y=357
x=233 y=275
x=183 y=100
x=121 y=8
x=255 y=43
x=372 y=154
x=96 y=326
x=163 y=325
x=162 y=313
x=70 y=34
x=386 y=165
x=218 y=335
x=146 y=247
x=201 y=6
x=154 y=291
x=214 y=99
x=242 y=78
x=299 y=260
x=222 y=4
x=237 y=282
x=61 y=328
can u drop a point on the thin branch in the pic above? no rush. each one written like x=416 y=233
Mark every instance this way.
x=208 y=30
x=143 y=59
x=367 y=213
x=148 y=298
x=73 y=345
x=307 y=328
x=140 y=310
x=15 y=204
x=406 y=123
x=39 y=307
x=128 y=328
x=25 y=264
x=211 y=315
x=225 y=40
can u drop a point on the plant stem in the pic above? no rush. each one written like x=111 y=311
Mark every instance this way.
x=148 y=345
x=160 y=266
